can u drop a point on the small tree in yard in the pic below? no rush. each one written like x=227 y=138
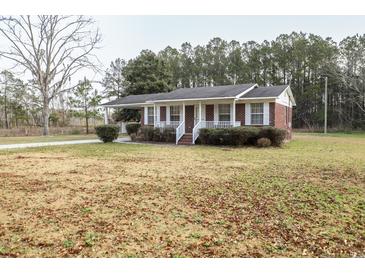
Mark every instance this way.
x=86 y=99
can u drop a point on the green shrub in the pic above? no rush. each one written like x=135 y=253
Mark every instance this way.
x=245 y=135
x=276 y=135
x=132 y=128
x=146 y=133
x=237 y=136
x=263 y=142
x=107 y=133
x=241 y=136
x=169 y=135
x=204 y=136
x=157 y=134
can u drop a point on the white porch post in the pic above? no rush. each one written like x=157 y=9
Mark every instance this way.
x=154 y=115
x=216 y=115
x=167 y=114
x=105 y=116
x=234 y=112
x=247 y=114
x=145 y=112
x=183 y=112
x=200 y=111
x=158 y=117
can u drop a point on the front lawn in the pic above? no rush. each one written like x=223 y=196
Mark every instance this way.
x=121 y=200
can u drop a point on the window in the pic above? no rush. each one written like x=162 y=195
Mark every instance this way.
x=257 y=114
x=224 y=112
x=150 y=113
x=174 y=113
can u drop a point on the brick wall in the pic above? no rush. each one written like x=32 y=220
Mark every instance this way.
x=162 y=114
x=283 y=117
x=209 y=113
x=240 y=113
x=290 y=111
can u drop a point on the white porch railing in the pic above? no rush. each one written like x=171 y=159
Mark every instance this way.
x=180 y=131
x=196 y=131
x=164 y=124
x=219 y=124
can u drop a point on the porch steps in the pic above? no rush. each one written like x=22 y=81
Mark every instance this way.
x=186 y=139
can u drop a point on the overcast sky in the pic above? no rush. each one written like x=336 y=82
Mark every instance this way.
x=126 y=36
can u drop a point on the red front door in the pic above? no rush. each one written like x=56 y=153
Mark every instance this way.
x=189 y=119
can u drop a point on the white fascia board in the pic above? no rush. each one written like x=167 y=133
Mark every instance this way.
x=256 y=98
x=245 y=91
x=126 y=105
x=192 y=99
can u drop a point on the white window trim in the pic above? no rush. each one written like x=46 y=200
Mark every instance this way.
x=168 y=115
x=229 y=112
x=266 y=114
x=158 y=120
x=263 y=115
x=170 y=112
x=146 y=115
x=248 y=114
x=153 y=115
x=216 y=116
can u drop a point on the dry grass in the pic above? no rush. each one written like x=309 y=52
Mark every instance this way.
x=114 y=200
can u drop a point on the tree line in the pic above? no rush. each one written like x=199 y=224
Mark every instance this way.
x=52 y=50
x=298 y=59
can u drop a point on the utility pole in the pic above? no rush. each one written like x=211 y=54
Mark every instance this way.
x=325 y=105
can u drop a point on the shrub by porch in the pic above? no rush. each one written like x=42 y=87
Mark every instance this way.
x=241 y=136
x=150 y=134
x=234 y=136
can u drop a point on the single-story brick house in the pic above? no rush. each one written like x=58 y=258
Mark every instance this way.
x=189 y=109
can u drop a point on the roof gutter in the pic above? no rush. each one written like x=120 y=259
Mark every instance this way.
x=190 y=99
x=125 y=105
x=256 y=98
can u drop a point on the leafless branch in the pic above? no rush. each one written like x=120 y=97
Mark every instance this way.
x=51 y=48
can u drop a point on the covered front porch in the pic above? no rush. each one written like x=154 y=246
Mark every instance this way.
x=188 y=117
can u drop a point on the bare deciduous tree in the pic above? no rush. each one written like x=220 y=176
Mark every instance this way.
x=52 y=49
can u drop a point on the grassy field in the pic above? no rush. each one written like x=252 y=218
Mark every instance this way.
x=41 y=139
x=306 y=199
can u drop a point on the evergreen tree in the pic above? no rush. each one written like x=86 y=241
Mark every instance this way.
x=147 y=74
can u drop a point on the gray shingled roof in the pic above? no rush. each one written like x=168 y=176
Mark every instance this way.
x=270 y=91
x=133 y=99
x=205 y=92
x=202 y=92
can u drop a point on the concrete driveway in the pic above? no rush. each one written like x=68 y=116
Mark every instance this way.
x=60 y=143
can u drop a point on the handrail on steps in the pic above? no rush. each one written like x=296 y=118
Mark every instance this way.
x=196 y=131
x=180 y=130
